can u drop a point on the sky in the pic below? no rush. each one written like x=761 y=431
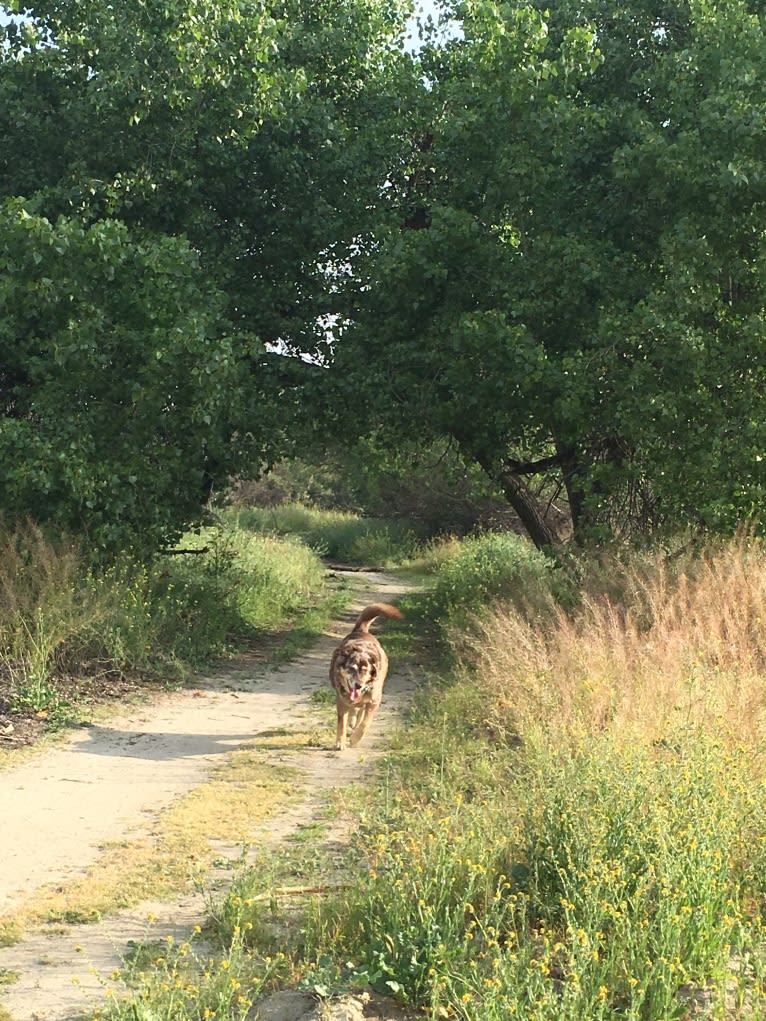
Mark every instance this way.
x=428 y=7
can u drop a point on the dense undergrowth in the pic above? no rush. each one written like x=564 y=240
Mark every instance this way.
x=339 y=535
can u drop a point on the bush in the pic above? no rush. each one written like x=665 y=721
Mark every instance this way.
x=494 y=566
x=244 y=583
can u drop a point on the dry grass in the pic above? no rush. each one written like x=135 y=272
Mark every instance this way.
x=663 y=644
x=241 y=793
x=44 y=608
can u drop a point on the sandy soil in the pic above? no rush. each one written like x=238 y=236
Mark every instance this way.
x=109 y=781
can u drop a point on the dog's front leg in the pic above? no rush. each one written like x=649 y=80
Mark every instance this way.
x=340 y=736
x=363 y=721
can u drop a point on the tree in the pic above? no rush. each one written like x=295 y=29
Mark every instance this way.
x=120 y=396
x=585 y=297
x=179 y=179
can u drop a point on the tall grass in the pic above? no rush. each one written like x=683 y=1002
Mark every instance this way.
x=46 y=610
x=60 y=618
x=339 y=535
x=576 y=827
x=654 y=647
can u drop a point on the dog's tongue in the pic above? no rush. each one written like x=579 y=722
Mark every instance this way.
x=355 y=694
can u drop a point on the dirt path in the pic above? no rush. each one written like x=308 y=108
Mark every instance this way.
x=110 y=781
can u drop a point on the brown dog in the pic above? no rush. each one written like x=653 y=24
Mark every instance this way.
x=358 y=672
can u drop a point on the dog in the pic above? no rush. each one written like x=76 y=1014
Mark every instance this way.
x=357 y=673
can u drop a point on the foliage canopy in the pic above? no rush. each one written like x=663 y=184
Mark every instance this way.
x=175 y=179
x=541 y=237
x=585 y=297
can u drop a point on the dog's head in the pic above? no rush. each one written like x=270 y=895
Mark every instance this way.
x=356 y=671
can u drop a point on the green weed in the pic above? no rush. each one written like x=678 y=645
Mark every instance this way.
x=184 y=981
x=10 y=933
x=617 y=883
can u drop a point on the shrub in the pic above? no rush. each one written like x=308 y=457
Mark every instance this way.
x=497 y=565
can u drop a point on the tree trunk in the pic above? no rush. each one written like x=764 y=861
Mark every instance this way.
x=523 y=501
x=571 y=475
x=527 y=506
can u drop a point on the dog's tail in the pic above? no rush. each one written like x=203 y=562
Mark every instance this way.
x=369 y=613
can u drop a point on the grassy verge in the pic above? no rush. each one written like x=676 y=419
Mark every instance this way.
x=574 y=825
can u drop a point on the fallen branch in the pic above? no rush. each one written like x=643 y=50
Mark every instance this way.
x=180 y=552
x=296 y=891
x=350 y=569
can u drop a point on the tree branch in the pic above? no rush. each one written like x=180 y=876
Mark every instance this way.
x=533 y=467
